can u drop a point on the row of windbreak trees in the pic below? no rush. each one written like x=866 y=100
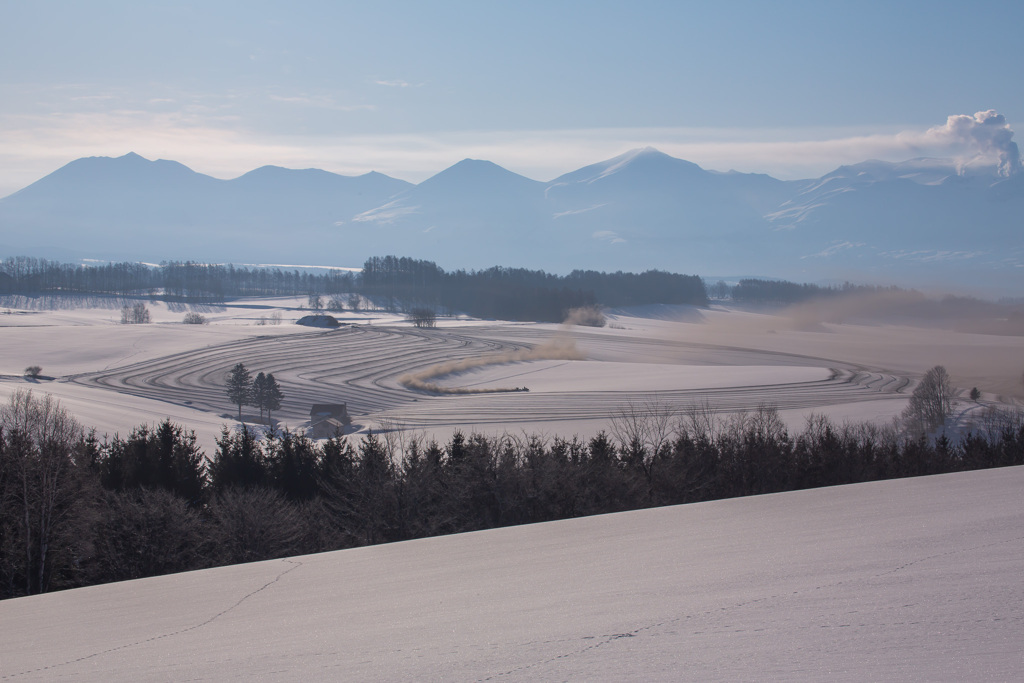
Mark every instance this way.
x=395 y=283
x=760 y=292
x=185 y=281
x=518 y=293
x=76 y=511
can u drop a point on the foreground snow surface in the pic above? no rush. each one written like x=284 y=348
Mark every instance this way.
x=914 y=579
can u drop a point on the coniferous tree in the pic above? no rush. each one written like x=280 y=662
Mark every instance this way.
x=339 y=489
x=259 y=393
x=165 y=457
x=273 y=397
x=239 y=462
x=292 y=462
x=376 y=502
x=239 y=387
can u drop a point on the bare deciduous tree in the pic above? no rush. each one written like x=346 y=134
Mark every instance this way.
x=643 y=430
x=255 y=524
x=931 y=403
x=37 y=465
x=699 y=422
x=147 y=532
x=421 y=316
x=135 y=315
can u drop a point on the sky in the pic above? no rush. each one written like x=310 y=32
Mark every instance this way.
x=542 y=88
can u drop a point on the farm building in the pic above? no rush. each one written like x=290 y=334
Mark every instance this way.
x=328 y=419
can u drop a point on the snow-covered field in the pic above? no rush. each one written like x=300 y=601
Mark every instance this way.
x=114 y=377
x=902 y=580
x=914 y=579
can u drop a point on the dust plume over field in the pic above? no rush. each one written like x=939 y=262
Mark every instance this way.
x=961 y=314
x=904 y=332
x=980 y=324
x=559 y=348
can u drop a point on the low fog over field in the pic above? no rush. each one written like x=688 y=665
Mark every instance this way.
x=914 y=579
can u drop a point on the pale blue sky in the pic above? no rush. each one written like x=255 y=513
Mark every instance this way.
x=408 y=88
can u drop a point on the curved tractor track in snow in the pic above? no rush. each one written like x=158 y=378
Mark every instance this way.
x=361 y=366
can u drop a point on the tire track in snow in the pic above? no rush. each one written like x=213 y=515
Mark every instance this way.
x=361 y=365
x=296 y=564
x=610 y=639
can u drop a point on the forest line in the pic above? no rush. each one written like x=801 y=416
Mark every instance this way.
x=77 y=511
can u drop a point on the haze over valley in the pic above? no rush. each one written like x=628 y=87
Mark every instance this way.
x=511 y=341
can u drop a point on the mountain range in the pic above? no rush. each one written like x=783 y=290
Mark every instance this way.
x=919 y=222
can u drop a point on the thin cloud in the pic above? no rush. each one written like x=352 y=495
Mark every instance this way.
x=397 y=83
x=834 y=249
x=93 y=98
x=320 y=102
x=609 y=236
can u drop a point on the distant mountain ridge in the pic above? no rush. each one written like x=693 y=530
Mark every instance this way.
x=919 y=221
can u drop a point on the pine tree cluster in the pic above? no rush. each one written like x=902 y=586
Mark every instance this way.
x=77 y=511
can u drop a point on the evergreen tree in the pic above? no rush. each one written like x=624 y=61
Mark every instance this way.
x=273 y=397
x=239 y=461
x=292 y=463
x=163 y=457
x=375 y=476
x=239 y=387
x=259 y=393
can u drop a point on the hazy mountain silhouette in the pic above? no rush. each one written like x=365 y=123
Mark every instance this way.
x=924 y=219
x=129 y=207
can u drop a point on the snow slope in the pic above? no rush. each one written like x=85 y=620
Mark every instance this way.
x=915 y=579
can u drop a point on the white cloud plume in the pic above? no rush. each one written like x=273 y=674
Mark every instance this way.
x=984 y=135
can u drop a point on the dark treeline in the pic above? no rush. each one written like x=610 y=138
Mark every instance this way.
x=518 y=293
x=184 y=281
x=401 y=284
x=633 y=289
x=76 y=511
x=850 y=301
x=754 y=291
x=506 y=293
x=392 y=282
